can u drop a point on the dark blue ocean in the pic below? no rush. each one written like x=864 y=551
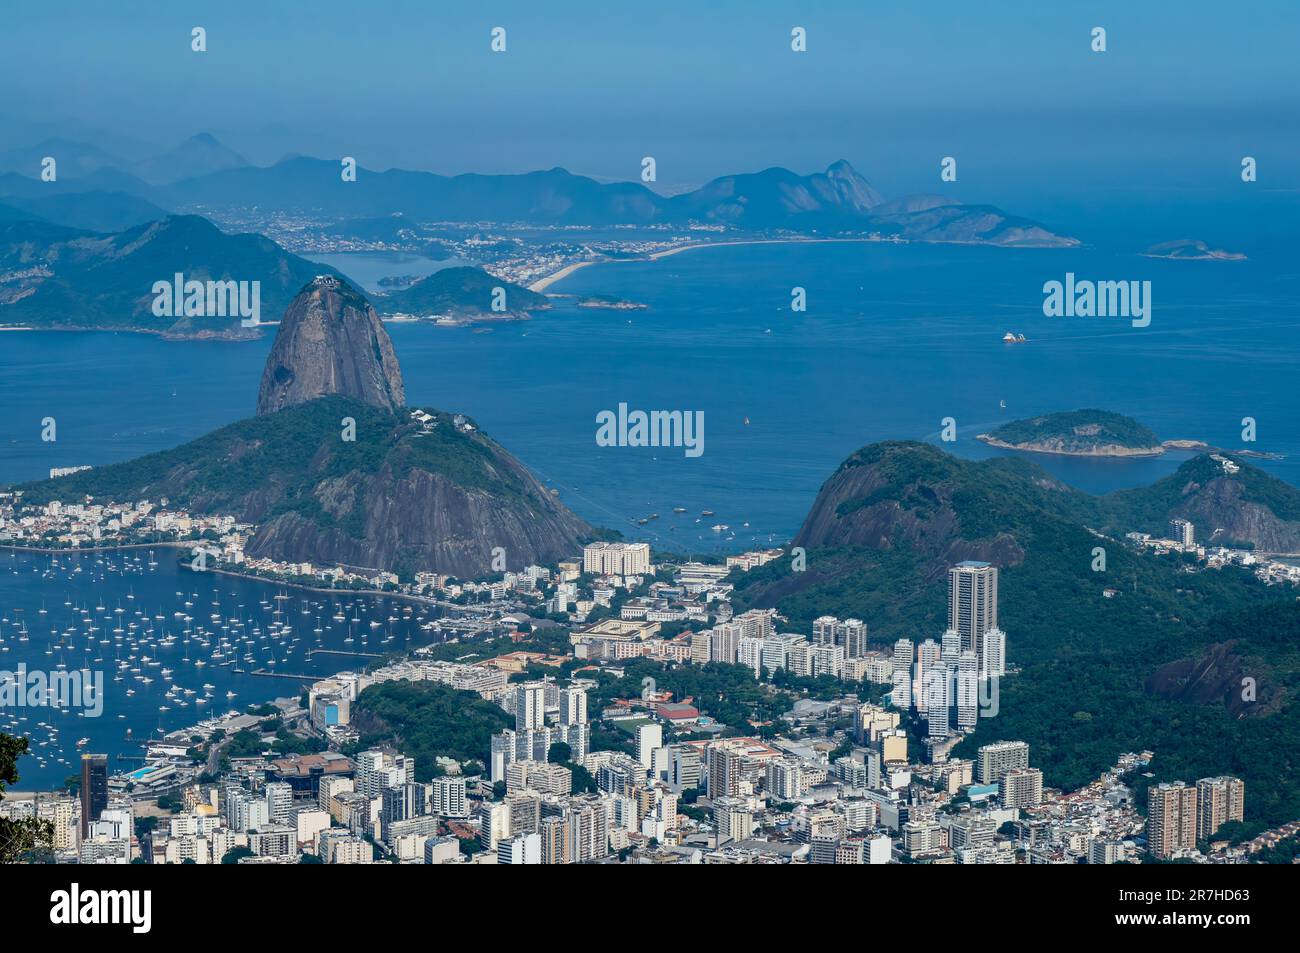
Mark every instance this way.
x=894 y=339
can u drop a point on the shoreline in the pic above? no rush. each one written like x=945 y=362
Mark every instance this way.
x=543 y=283
x=1166 y=446
x=61 y=550
x=1116 y=454
x=251 y=577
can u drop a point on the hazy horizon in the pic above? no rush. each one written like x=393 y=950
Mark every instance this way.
x=1014 y=92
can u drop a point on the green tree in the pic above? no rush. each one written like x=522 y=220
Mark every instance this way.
x=233 y=855
x=20 y=840
x=559 y=753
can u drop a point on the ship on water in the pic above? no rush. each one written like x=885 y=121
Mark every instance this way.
x=1012 y=338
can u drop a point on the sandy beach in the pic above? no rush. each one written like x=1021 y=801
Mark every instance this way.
x=544 y=283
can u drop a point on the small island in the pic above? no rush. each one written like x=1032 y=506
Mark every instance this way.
x=1078 y=433
x=398 y=281
x=612 y=303
x=1187 y=249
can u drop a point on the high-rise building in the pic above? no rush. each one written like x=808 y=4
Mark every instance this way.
x=649 y=738
x=494 y=824
x=972 y=602
x=725 y=766
x=1171 y=818
x=520 y=849
x=785 y=780
x=1182 y=532
x=616 y=559
x=530 y=706
x=588 y=829
x=824 y=629
x=447 y=797
x=902 y=694
x=750 y=655
x=1022 y=787
x=94 y=789
x=950 y=645
x=851 y=634
x=279 y=801
x=573 y=706
x=1218 y=800
x=726 y=642
x=685 y=768
x=993 y=654
x=967 y=690
x=377 y=770
x=556 y=840
x=995 y=760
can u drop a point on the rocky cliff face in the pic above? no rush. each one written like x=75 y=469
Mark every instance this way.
x=1223 y=512
x=420 y=519
x=331 y=342
x=420 y=490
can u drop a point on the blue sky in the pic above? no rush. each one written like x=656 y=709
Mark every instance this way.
x=1010 y=88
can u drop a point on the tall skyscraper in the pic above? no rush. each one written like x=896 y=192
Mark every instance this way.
x=649 y=738
x=972 y=602
x=94 y=789
x=993 y=654
x=573 y=706
x=1218 y=800
x=967 y=690
x=1171 y=818
x=724 y=767
x=530 y=706
x=1182 y=531
x=904 y=653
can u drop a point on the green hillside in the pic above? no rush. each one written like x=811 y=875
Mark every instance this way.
x=1078 y=431
x=459 y=291
x=1097 y=670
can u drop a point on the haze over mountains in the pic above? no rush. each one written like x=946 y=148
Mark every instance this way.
x=202 y=174
x=53 y=276
x=64 y=278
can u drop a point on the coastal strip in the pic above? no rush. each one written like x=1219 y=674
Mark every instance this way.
x=543 y=283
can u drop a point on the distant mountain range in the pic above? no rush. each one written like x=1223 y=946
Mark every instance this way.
x=66 y=279
x=53 y=276
x=196 y=156
x=202 y=174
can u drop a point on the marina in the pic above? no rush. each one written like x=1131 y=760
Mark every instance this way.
x=169 y=647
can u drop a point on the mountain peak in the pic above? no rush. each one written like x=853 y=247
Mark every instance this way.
x=331 y=341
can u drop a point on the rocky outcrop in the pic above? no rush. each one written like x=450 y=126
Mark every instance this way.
x=1222 y=513
x=1064 y=447
x=407 y=517
x=903 y=496
x=331 y=341
x=415 y=491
